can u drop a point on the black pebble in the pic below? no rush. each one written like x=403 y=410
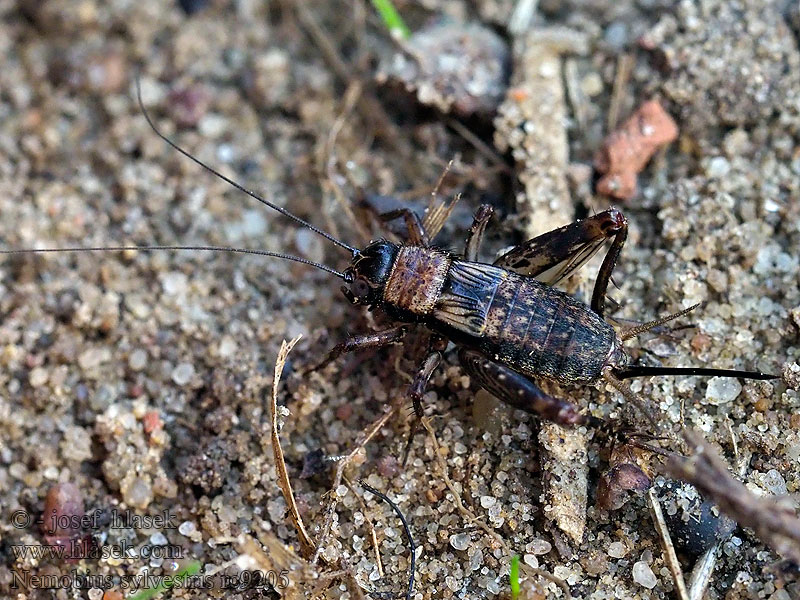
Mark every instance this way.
x=191 y=7
x=705 y=525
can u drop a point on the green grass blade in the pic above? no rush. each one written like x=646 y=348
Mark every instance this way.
x=190 y=569
x=514 y=576
x=391 y=18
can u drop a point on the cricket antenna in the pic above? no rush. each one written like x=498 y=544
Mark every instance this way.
x=194 y=248
x=635 y=371
x=231 y=182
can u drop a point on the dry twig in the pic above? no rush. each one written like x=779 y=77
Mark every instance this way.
x=370 y=526
x=306 y=543
x=774 y=523
x=666 y=545
x=330 y=510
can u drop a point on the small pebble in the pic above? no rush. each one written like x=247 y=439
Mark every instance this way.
x=592 y=84
x=93 y=357
x=459 y=541
x=158 y=539
x=309 y=245
x=137 y=360
x=95 y=594
x=643 y=575
x=38 y=377
x=138 y=493
x=616 y=35
x=539 y=546
x=174 y=283
x=187 y=528
x=227 y=347
x=63 y=508
x=718 y=167
x=721 y=390
x=617 y=550
x=183 y=373
x=188 y=105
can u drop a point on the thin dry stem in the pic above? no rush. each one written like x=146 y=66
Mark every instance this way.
x=306 y=543
x=370 y=526
x=328 y=159
x=670 y=557
x=624 y=70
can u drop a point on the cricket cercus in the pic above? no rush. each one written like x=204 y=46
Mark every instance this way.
x=509 y=323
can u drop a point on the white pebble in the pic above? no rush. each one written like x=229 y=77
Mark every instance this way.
x=187 y=528
x=174 y=283
x=38 y=377
x=531 y=561
x=459 y=541
x=722 y=390
x=158 y=539
x=93 y=357
x=488 y=501
x=227 y=347
x=539 y=546
x=137 y=360
x=183 y=373
x=774 y=482
x=643 y=575
x=617 y=550
x=718 y=167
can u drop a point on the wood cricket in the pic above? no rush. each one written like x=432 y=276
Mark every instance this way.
x=509 y=323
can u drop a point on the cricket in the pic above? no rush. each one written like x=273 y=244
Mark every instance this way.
x=508 y=321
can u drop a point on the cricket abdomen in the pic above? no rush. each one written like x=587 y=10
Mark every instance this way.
x=532 y=328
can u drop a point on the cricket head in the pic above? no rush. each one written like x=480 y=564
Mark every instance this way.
x=368 y=273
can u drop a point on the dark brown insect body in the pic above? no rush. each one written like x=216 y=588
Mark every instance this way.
x=517 y=321
x=510 y=324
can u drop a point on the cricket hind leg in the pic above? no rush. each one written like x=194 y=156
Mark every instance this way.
x=520 y=392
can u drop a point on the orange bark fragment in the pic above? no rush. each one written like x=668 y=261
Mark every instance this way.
x=627 y=150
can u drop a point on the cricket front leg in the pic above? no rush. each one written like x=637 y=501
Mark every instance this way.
x=517 y=390
x=377 y=339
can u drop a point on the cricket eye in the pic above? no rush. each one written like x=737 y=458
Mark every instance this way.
x=360 y=287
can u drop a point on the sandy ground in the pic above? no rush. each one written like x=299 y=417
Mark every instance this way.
x=144 y=378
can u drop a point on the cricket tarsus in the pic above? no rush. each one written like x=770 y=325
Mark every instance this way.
x=194 y=248
x=231 y=182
